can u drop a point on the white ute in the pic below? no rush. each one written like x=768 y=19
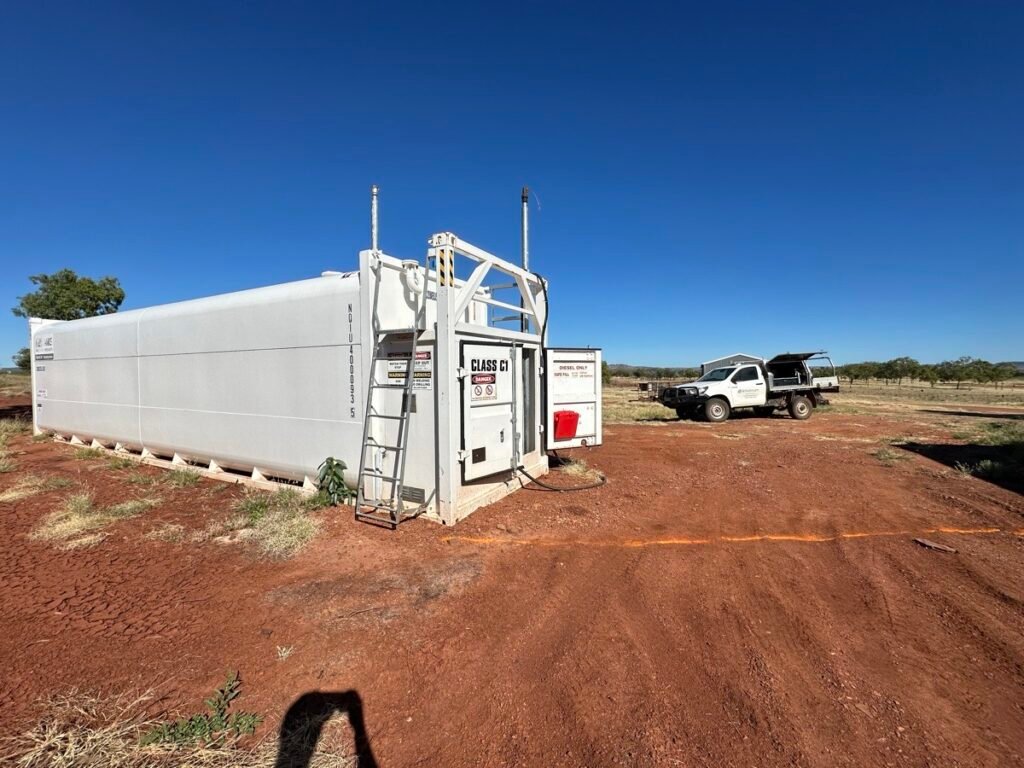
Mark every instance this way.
x=786 y=381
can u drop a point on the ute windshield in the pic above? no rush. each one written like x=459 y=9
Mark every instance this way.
x=719 y=374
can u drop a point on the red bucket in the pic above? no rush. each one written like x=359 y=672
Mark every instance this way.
x=565 y=424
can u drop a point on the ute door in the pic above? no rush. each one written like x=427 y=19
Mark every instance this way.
x=748 y=387
x=488 y=403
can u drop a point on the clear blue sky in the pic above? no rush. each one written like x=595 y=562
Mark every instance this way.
x=712 y=177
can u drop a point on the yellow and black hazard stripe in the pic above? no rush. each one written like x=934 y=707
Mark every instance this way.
x=445 y=267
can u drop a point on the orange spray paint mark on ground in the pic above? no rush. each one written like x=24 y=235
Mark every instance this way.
x=680 y=541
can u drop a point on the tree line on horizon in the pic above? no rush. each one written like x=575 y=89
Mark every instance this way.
x=959 y=371
x=895 y=371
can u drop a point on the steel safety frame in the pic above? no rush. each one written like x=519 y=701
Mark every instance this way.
x=453 y=299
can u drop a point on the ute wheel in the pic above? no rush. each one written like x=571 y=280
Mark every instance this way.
x=716 y=409
x=764 y=411
x=800 y=408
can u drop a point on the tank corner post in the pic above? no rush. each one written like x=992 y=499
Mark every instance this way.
x=33 y=323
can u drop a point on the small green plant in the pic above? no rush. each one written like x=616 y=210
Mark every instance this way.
x=254 y=505
x=331 y=481
x=121 y=462
x=88 y=453
x=888 y=457
x=1002 y=433
x=182 y=478
x=213 y=727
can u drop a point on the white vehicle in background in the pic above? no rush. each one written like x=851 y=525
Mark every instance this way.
x=788 y=381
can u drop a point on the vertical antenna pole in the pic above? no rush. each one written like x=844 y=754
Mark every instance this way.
x=373 y=218
x=525 y=223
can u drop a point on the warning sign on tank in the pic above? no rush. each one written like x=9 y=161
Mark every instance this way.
x=483 y=386
x=422 y=372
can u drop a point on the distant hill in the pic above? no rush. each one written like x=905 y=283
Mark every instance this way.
x=1019 y=364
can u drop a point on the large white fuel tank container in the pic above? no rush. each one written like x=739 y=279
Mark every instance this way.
x=397 y=369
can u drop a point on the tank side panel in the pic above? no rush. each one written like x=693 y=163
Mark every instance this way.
x=259 y=381
x=89 y=387
x=280 y=410
x=269 y=378
x=305 y=313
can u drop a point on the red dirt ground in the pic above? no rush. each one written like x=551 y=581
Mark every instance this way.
x=745 y=594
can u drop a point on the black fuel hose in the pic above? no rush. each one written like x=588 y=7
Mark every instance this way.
x=542 y=484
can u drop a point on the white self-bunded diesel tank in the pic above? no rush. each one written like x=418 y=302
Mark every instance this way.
x=270 y=381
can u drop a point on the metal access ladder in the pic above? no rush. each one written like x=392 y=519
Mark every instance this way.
x=392 y=510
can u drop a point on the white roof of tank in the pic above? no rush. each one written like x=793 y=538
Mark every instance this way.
x=296 y=289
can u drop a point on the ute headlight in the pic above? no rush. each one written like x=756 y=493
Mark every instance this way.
x=701 y=390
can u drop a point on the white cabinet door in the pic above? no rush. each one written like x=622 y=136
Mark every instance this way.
x=488 y=399
x=572 y=382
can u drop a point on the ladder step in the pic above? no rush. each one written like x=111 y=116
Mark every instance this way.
x=370 y=517
x=378 y=505
x=371 y=473
x=389 y=331
x=375 y=385
x=385 y=416
x=385 y=447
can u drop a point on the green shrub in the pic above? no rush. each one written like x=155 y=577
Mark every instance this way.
x=215 y=726
x=331 y=481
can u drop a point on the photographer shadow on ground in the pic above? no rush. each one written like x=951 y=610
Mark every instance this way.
x=304 y=722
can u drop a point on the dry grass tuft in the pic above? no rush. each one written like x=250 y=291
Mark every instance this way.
x=30 y=485
x=182 y=478
x=87 y=453
x=78 y=516
x=138 y=477
x=277 y=524
x=83 y=542
x=14 y=384
x=888 y=457
x=579 y=468
x=167 y=532
x=12 y=427
x=80 y=730
x=121 y=462
x=77 y=730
